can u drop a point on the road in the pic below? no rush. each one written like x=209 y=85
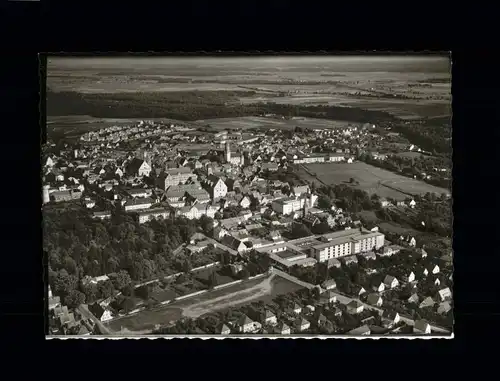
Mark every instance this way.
x=84 y=311
x=346 y=300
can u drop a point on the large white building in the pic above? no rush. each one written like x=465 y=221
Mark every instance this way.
x=216 y=186
x=288 y=205
x=347 y=242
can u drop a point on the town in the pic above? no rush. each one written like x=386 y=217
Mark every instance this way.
x=175 y=228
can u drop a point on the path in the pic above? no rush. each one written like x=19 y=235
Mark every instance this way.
x=346 y=300
x=244 y=296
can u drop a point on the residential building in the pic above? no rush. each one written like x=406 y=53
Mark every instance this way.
x=138 y=167
x=354 y=307
x=444 y=294
x=390 y=317
x=374 y=300
x=282 y=329
x=150 y=214
x=216 y=186
x=390 y=282
x=137 y=203
x=329 y=284
x=328 y=297
x=421 y=327
x=364 y=330
x=270 y=318
x=99 y=312
x=427 y=302
x=301 y=325
x=223 y=329
x=444 y=308
x=246 y=325
x=174 y=176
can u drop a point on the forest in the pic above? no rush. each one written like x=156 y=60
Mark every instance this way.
x=78 y=246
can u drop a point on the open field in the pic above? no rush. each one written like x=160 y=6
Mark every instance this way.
x=371 y=179
x=407 y=87
x=246 y=292
x=270 y=123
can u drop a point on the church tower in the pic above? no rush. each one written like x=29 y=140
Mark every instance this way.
x=228 y=152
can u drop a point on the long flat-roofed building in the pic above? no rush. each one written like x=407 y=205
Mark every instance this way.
x=347 y=242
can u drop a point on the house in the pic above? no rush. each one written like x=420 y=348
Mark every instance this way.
x=282 y=329
x=434 y=269
x=138 y=167
x=421 y=253
x=83 y=331
x=427 y=302
x=379 y=287
x=333 y=262
x=336 y=311
x=413 y=298
x=328 y=297
x=358 y=290
x=310 y=308
x=223 y=329
x=301 y=325
x=444 y=294
x=437 y=282
x=354 y=307
x=374 y=300
x=390 y=317
x=216 y=186
x=99 y=312
x=390 y=282
x=360 y=331
x=245 y=202
x=369 y=255
x=329 y=284
x=444 y=308
x=321 y=319
x=245 y=324
x=270 y=318
x=412 y=204
x=297 y=309
x=421 y=327
x=234 y=243
x=410 y=278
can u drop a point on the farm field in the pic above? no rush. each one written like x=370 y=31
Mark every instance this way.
x=425 y=81
x=263 y=122
x=369 y=177
x=264 y=288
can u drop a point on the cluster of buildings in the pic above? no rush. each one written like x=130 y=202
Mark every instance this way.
x=64 y=322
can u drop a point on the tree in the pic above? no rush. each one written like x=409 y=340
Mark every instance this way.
x=128 y=290
x=206 y=223
x=244 y=274
x=121 y=280
x=300 y=230
x=212 y=280
x=65 y=283
x=324 y=202
x=187 y=267
x=74 y=299
x=128 y=305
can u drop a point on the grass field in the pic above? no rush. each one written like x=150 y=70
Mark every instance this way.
x=253 y=290
x=369 y=177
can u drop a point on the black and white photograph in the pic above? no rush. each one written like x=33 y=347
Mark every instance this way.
x=248 y=196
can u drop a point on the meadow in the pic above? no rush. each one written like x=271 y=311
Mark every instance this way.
x=372 y=179
x=265 y=289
